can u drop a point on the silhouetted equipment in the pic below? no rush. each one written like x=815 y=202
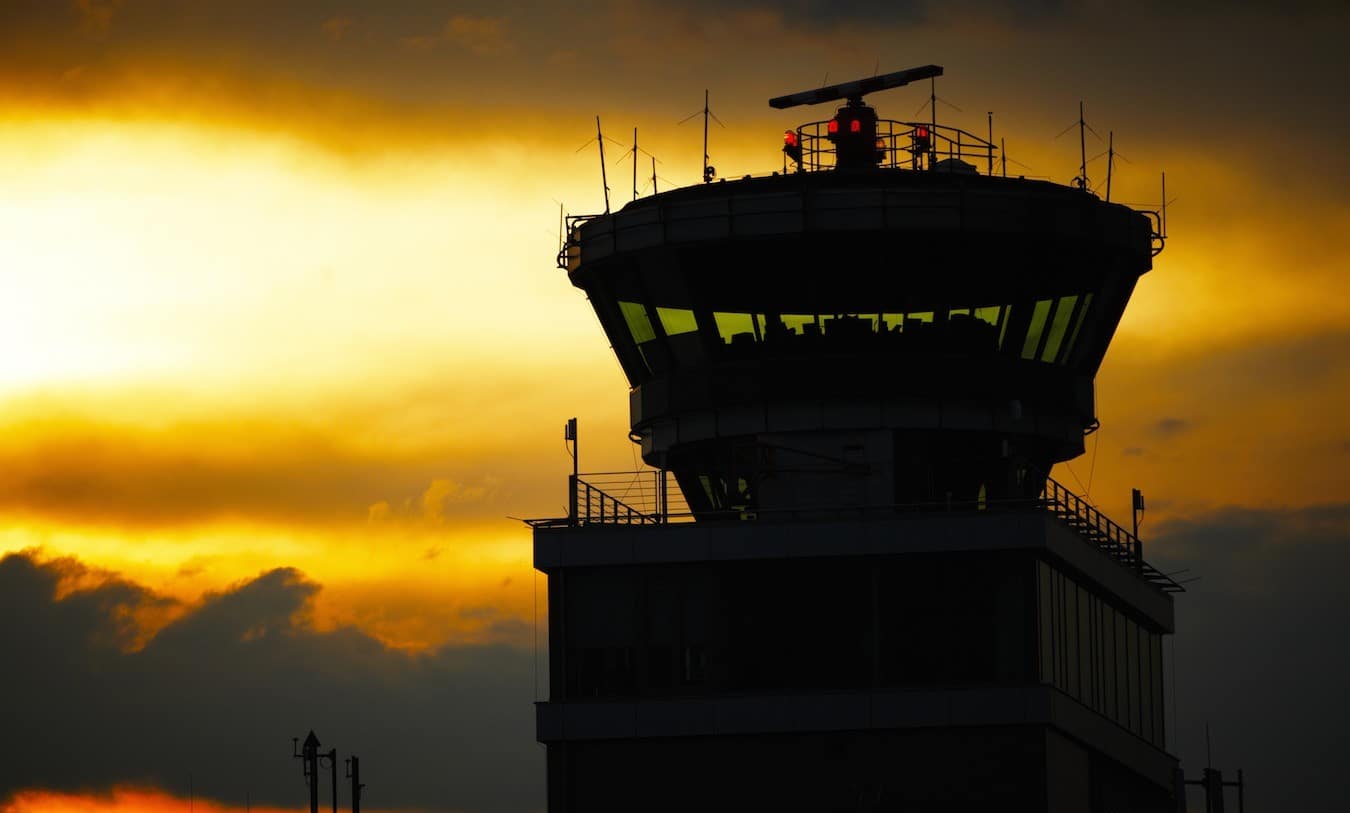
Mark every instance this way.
x=1136 y=507
x=354 y=774
x=332 y=767
x=570 y=436
x=792 y=146
x=604 y=179
x=856 y=89
x=709 y=171
x=864 y=587
x=311 y=758
x=309 y=754
x=1083 y=129
x=1213 y=783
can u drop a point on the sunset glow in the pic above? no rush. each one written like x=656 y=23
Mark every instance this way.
x=280 y=295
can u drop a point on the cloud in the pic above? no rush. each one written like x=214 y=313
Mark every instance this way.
x=1168 y=427
x=218 y=692
x=96 y=16
x=336 y=28
x=239 y=469
x=481 y=35
x=1258 y=653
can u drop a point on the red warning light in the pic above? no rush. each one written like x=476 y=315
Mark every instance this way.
x=790 y=138
x=921 y=133
x=855 y=126
x=833 y=126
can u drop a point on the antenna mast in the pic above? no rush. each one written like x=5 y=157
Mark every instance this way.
x=708 y=171
x=1110 y=161
x=653 y=174
x=635 y=151
x=990 y=142
x=604 y=180
x=932 y=102
x=706 y=112
x=1082 y=148
x=1164 y=205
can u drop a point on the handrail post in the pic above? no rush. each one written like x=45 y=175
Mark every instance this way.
x=665 y=500
x=571 y=499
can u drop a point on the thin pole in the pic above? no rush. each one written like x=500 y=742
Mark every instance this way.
x=932 y=101
x=635 y=163
x=1164 y=205
x=990 y=142
x=311 y=763
x=604 y=180
x=1082 y=148
x=1110 y=161
x=332 y=763
x=356 y=785
x=1003 y=153
x=706 y=112
x=932 y=104
x=653 y=174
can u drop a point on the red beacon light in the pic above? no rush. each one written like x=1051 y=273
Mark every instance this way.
x=833 y=126
x=855 y=126
x=792 y=145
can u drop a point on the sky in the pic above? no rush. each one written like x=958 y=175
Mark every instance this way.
x=286 y=351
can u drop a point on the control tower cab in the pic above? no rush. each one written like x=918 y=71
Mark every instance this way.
x=922 y=336
x=858 y=373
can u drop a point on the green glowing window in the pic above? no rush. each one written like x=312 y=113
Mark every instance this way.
x=1058 y=326
x=893 y=321
x=920 y=316
x=731 y=324
x=1078 y=323
x=797 y=322
x=639 y=324
x=1038 y=317
x=677 y=320
x=959 y=312
x=988 y=315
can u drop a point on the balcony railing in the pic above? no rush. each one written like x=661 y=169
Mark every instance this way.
x=646 y=498
x=903 y=145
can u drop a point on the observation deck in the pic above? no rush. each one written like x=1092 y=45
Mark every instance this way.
x=645 y=498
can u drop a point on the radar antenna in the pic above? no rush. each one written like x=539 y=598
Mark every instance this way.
x=854 y=91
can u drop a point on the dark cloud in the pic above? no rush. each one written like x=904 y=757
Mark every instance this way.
x=1168 y=427
x=218 y=693
x=1260 y=655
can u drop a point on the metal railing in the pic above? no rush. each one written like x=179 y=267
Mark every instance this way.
x=645 y=498
x=902 y=144
x=622 y=498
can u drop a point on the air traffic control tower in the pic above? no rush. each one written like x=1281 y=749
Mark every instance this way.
x=862 y=592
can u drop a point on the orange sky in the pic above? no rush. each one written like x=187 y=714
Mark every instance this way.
x=284 y=295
